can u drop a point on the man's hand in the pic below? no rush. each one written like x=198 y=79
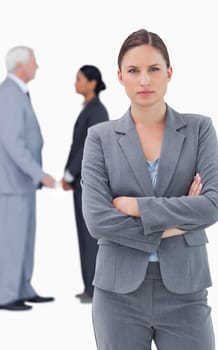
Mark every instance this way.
x=48 y=181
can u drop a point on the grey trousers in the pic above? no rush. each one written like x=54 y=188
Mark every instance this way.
x=151 y=313
x=17 y=241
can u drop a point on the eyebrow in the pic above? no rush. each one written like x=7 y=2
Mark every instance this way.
x=152 y=65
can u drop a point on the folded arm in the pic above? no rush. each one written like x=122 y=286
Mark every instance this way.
x=129 y=206
x=102 y=219
x=143 y=228
x=188 y=212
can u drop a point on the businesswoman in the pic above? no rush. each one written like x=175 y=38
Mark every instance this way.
x=150 y=188
x=89 y=84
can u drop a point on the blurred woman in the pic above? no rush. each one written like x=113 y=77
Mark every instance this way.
x=89 y=84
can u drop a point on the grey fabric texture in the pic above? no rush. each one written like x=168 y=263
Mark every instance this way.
x=114 y=165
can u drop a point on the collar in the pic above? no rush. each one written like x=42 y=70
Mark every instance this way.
x=174 y=120
x=19 y=82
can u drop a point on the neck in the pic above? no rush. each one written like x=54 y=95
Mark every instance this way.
x=20 y=76
x=150 y=115
x=89 y=97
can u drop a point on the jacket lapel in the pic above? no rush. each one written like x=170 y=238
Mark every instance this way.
x=131 y=147
x=170 y=150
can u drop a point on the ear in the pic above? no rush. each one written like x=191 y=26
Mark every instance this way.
x=19 y=69
x=169 y=73
x=18 y=66
x=119 y=74
x=93 y=84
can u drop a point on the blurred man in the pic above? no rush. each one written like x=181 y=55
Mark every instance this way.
x=21 y=175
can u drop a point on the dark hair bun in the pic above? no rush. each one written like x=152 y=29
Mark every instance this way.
x=93 y=73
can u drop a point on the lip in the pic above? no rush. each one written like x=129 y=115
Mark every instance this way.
x=145 y=92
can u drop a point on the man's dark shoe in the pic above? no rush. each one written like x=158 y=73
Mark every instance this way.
x=16 y=306
x=39 y=299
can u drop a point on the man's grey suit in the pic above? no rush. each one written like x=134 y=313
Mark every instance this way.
x=114 y=165
x=20 y=158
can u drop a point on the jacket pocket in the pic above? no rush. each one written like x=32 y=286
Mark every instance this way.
x=195 y=238
x=105 y=268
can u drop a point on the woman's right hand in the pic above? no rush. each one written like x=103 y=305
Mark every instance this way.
x=194 y=190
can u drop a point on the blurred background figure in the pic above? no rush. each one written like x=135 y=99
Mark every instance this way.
x=20 y=176
x=89 y=84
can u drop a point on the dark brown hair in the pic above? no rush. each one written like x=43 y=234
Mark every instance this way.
x=93 y=73
x=143 y=37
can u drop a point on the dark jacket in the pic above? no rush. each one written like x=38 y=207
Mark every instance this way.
x=93 y=113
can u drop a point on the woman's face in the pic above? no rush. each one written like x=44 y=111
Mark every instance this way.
x=82 y=85
x=145 y=75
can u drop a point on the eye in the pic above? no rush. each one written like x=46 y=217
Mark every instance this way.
x=154 y=69
x=133 y=70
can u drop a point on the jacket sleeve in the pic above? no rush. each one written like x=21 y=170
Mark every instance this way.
x=188 y=212
x=102 y=219
x=74 y=162
x=12 y=137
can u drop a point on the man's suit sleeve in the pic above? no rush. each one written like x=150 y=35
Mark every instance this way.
x=188 y=212
x=102 y=219
x=12 y=136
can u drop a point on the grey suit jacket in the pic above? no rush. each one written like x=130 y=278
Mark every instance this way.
x=114 y=165
x=20 y=141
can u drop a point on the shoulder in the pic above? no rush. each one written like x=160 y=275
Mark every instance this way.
x=97 y=105
x=103 y=128
x=9 y=88
x=103 y=132
x=191 y=120
x=198 y=123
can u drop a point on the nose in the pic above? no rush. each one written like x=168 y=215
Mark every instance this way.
x=144 y=79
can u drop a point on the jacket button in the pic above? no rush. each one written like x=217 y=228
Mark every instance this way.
x=159 y=227
x=150 y=238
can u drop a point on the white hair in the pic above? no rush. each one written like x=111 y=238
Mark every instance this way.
x=18 y=54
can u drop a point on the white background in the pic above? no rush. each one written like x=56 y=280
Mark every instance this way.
x=65 y=35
